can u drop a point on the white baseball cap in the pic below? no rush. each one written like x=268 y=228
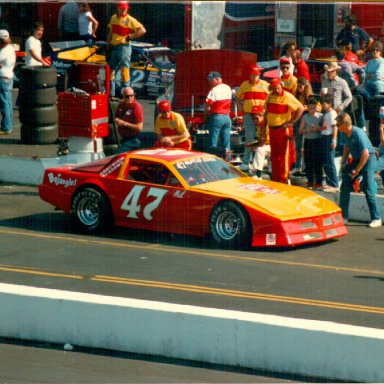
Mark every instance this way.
x=4 y=34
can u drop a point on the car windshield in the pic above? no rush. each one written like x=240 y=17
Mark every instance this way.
x=202 y=170
x=162 y=58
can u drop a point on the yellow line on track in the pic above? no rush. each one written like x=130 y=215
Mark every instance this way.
x=167 y=249
x=242 y=294
x=30 y=271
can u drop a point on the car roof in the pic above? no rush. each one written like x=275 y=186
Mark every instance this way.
x=167 y=155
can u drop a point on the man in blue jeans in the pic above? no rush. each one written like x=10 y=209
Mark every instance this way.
x=218 y=107
x=364 y=163
x=7 y=62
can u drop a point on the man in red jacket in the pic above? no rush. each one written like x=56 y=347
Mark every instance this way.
x=301 y=67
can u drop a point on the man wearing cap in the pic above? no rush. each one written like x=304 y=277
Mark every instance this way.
x=364 y=163
x=355 y=35
x=288 y=81
x=252 y=92
x=283 y=110
x=335 y=85
x=122 y=29
x=7 y=63
x=262 y=148
x=170 y=128
x=129 y=119
x=218 y=107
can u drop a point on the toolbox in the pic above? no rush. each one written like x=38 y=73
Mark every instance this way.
x=90 y=77
x=82 y=114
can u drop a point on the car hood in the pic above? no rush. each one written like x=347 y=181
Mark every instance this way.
x=282 y=201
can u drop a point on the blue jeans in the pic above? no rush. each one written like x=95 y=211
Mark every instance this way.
x=369 y=187
x=328 y=154
x=220 y=126
x=6 y=105
x=250 y=133
x=120 y=58
x=128 y=145
x=298 y=144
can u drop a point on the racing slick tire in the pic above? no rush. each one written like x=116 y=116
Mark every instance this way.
x=35 y=77
x=39 y=115
x=91 y=211
x=37 y=97
x=31 y=134
x=230 y=225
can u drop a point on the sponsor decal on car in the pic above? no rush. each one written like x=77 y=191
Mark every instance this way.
x=259 y=188
x=112 y=167
x=58 y=180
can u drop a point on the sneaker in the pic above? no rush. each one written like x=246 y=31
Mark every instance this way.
x=375 y=223
x=318 y=186
x=346 y=221
x=243 y=167
x=328 y=188
x=310 y=185
x=5 y=132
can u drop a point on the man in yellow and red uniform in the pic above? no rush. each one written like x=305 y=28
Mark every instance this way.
x=289 y=82
x=250 y=93
x=122 y=29
x=170 y=128
x=283 y=110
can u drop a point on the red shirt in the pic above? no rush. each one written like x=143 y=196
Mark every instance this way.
x=131 y=113
x=301 y=70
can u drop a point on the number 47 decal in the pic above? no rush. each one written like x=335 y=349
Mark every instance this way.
x=131 y=202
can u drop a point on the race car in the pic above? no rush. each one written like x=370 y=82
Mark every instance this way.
x=152 y=66
x=192 y=193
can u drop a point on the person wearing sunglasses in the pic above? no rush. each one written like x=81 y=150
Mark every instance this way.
x=129 y=119
x=374 y=70
x=289 y=81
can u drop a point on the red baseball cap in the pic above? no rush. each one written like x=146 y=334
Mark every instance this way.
x=164 y=106
x=284 y=60
x=275 y=82
x=122 y=5
x=255 y=70
x=257 y=109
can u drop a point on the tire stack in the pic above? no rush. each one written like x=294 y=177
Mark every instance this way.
x=37 y=105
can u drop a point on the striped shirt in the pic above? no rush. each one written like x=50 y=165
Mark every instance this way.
x=121 y=27
x=252 y=94
x=219 y=99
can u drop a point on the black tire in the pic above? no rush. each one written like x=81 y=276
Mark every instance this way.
x=230 y=225
x=46 y=134
x=37 y=97
x=91 y=211
x=35 y=77
x=38 y=116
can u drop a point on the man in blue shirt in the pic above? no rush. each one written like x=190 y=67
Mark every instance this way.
x=354 y=34
x=364 y=163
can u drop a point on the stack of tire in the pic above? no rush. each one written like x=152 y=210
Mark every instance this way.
x=37 y=105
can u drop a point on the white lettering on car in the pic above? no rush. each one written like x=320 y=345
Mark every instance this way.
x=58 y=180
x=179 y=194
x=112 y=167
x=131 y=202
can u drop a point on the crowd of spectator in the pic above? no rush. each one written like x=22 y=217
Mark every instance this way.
x=298 y=130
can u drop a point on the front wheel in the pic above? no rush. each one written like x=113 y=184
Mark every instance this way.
x=230 y=225
x=91 y=211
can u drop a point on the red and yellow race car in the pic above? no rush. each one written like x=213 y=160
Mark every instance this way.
x=191 y=193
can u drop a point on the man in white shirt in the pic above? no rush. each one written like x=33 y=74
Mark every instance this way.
x=7 y=63
x=33 y=46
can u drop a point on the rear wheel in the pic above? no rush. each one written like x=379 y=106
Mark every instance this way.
x=91 y=211
x=230 y=225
